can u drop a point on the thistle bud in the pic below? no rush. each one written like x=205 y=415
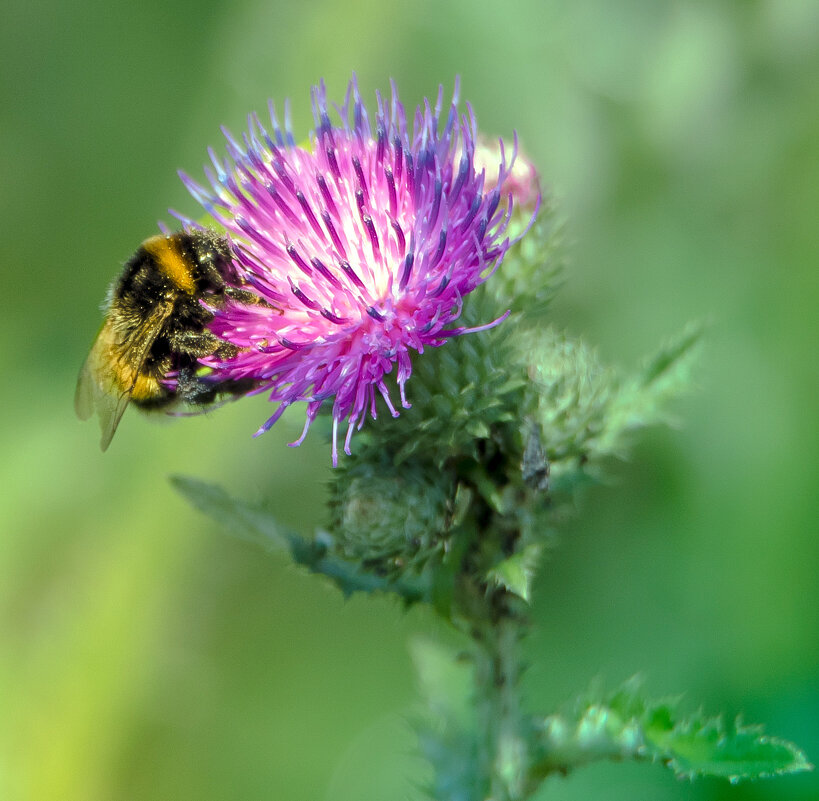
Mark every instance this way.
x=389 y=519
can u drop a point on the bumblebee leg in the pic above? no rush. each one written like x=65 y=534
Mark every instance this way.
x=245 y=297
x=195 y=391
x=214 y=274
x=198 y=344
x=192 y=390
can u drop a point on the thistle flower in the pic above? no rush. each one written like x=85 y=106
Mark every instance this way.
x=364 y=243
x=521 y=180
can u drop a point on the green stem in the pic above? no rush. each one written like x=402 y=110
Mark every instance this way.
x=503 y=756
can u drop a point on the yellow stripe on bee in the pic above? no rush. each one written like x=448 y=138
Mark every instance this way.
x=142 y=387
x=146 y=388
x=170 y=262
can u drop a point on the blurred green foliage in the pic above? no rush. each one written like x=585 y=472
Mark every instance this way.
x=144 y=655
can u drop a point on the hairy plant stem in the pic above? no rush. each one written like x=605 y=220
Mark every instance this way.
x=503 y=756
x=497 y=673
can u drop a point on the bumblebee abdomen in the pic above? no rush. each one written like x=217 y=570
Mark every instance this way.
x=141 y=384
x=148 y=391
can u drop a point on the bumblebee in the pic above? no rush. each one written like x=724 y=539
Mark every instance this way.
x=156 y=325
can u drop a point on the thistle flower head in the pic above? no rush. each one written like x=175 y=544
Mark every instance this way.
x=364 y=243
x=521 y=179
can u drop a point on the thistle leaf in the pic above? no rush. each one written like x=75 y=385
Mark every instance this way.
x=253 y=524
x=624 y=726
x=242 y=520
x=517 y=572
x=642 y=400
x=673 y=357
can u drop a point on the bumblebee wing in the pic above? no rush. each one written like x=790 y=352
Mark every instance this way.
x=107 y=378
x=84 y=404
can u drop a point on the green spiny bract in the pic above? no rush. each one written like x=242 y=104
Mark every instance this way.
x=570 y=393
x=531 y=273
x=389 y=519
x=504 y=424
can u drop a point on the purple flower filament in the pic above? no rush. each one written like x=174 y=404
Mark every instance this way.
x=364 y=246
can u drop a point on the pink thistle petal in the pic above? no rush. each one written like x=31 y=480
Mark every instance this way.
x=363 y=243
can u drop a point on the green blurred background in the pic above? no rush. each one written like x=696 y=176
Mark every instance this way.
x=145 y=655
